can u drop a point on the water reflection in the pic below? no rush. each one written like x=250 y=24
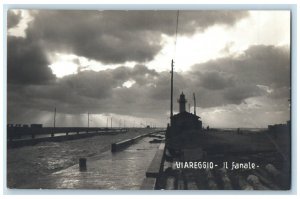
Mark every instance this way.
x=121 y=170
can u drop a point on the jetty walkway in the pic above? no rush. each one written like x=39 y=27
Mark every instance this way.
x=109 y=170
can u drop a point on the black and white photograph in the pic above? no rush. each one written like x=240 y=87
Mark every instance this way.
x=148 y=99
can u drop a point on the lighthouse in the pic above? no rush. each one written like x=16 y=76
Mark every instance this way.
x=182 y=102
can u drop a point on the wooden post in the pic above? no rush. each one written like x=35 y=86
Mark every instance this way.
x=54 y=117
x=88 y=120
x=171 y=104
x=194 y=103
x=82 y=164
x=113 y=147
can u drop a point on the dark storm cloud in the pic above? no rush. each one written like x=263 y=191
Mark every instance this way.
x=107 y=36
x=13 y=19
x=229 y=80
x=233 y=79
x=259 y=64
x=214 y=80
x=27 y=62
x=119 y=36
x=94 y=91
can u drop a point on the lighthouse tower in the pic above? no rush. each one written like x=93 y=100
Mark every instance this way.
x=182 y=102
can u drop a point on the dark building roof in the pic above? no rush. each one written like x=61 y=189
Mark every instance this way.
x=185 y=114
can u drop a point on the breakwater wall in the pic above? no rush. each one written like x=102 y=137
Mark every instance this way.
x=118 y=146
x=13 y=143
x=15 y=132
x=154 y=177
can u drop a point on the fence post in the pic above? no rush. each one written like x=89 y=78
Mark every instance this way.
x=82 y=164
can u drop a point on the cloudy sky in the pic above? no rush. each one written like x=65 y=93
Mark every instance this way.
x=117 y=64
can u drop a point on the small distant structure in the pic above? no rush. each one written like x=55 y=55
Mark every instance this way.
x=185 y=121
x=184 y=127
x=278 y=129
x=36 y=125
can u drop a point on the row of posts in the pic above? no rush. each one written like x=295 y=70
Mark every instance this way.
x=33 y=135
